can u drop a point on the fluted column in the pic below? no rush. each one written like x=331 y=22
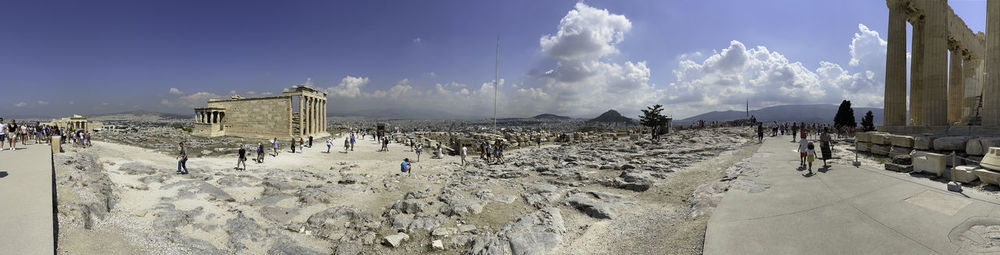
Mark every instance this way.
x=973 y=86
x=916 y=76
x=956 y=87
x=895 y=67
x=935 y=65
x=323 y=128
x=991 y=87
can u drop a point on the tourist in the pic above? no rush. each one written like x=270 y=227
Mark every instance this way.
x=302 y=142
x=242 y=159
x=260 y=152
x=810 y=156
x=385 y=144
x=3 y=134
x=88 y=139
x=24 y=134
x=825 y=145
x=802 y=152
x=420 y=148
x=310 y=141
x=803 y=132
x=352 y=142
x=405 y=166
x=760 y=132
x=795 y=130
x=347 y=144
x=465 y=152
x=12 y=134
x=329 y=143
x=182 y=160
x=538 y=140
x=293 y=144
x=275 y=142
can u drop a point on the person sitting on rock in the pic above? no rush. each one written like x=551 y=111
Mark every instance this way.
x=405 y=166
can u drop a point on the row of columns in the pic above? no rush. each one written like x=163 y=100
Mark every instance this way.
x=937 y=86
x=312 y=112
x=210 y=117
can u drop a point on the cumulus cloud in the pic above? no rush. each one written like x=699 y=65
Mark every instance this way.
x=20 y=104
x=582 y=81
x=349 y=87
x=175 y=91
x=737 y=73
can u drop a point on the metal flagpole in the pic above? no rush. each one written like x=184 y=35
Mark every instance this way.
x=496 y=87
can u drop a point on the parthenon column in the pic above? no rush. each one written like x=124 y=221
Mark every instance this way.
x=991 y=87
x=935 y=64
x=973 y=85
x=895 y=68
x=312 y=115
x=956 y=87
x=323 y=128
x=916 y=76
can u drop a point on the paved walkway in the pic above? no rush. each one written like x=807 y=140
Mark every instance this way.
x=26 y=201
x=848 y=210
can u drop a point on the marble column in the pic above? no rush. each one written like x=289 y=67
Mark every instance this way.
x=973 y=86
x=935 y=64
x=916 y=77
x=323 y=127
x=895 y=67
x=991 y=86
x=956 y=87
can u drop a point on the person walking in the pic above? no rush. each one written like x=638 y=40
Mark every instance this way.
x=329 y=143
x=385 y=144
x=12 y=134
x=420 y=148
x=810 y=156
x=347 y=144
x=302 y=143
x=293 y=144
x=826 y=145
x=465 y=152
x=352 y=142
x=275 y=142
x=242 y=159
x=182 y=160
x=803 y=132
x=3 y=134
x=310 y=141
x=260 y=152
x=760 y=132
x=803 y=146
x=795 y=130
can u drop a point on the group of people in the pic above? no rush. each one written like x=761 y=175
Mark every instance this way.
x=807 y=149
x=12 y=132
x=492 y=153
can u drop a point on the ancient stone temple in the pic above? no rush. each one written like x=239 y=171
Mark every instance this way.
x=75 y=122
x=950 y=73
x=298 y=111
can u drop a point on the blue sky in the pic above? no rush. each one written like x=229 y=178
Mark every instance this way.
x=63 y=57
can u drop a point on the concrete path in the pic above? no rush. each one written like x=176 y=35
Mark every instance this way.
x=26 y=201
x=849 y=210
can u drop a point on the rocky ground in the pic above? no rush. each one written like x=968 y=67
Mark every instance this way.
x=608 y=197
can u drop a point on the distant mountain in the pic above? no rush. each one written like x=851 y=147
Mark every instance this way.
x=139 y=115
x=611 y=116
x=550 y=116
x=819 y=113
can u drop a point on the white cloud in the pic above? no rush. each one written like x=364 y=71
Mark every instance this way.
x=349 y=87
x=199 y=99
x=40 y=102
x=586 y=33
x=175 y=91
x=735 y=74
x=417 y=40
x=20 y=104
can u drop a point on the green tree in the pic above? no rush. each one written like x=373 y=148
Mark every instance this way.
x=653 y=118
x=868 y=122
x=845 y=116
